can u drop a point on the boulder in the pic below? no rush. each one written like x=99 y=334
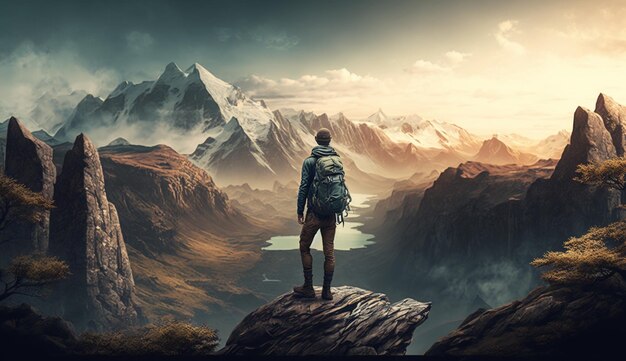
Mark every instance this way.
x=355 y=322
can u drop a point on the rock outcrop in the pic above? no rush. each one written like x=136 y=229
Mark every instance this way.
x=355 y=322
x=85 y=232
x=28 y=161
x=590 y=142
x=550 y=321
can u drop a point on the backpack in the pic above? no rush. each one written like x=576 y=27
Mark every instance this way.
x=330 y=195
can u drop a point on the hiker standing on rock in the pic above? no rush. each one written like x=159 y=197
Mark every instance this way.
x=323 y=190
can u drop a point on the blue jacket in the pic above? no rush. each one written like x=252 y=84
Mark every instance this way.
x=308 y=173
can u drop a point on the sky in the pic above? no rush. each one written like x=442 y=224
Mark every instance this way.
x=489 y=66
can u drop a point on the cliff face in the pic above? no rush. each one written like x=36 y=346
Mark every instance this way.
x=188 y=244
x=550 y=321
x=85 y=232
x=560 y=207
x=28 y=161
x=355 y=322
x=467 y=209
x=157 y=190
x=477 y=228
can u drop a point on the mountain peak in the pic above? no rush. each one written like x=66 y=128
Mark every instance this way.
x=378 y=117
x=495 y=151
x=604 y=101
x=172 y=71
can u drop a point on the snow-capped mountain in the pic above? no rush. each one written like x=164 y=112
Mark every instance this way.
x=191 y=101
x=240 y=140
x=549 y=147
x=238 y=136
x=378 y=118
x=422 y=133
x=51 y=110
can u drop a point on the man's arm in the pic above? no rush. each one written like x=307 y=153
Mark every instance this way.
x=305 y=184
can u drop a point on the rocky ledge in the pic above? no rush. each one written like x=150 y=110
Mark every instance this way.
x=551 y=321
x=355 y=322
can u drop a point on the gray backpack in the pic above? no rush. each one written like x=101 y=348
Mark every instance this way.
x=330 y=195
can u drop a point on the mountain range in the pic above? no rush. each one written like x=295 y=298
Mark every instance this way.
x=239 y=140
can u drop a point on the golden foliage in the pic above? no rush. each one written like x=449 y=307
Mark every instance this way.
x=596 y=255
x=28 y=275
x=610 y=173
x=38 y=268
x=169 y=338
x=21 y=202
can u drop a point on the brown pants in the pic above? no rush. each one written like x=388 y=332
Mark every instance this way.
x=327 y=226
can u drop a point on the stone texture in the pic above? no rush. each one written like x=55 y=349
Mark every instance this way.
x=590 y=142
x=28 y=161
x=355 y=322
x=550 y=321
x=614 y=117
x=85 y=232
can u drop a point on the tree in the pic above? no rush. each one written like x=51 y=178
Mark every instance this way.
x=595 y=256
x=28 y=275
x=17 y=202
x=609 y=173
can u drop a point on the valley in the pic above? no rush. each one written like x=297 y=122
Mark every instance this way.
x=439 y=214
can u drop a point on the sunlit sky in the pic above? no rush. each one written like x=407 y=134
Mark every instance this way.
x=488 y=66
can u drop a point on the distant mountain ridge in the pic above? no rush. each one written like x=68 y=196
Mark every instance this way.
x=238 y=139
x=494 y=151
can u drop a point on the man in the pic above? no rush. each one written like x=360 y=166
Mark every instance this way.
x=314 y=222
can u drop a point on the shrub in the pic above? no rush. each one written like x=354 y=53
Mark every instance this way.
x=609 y=173
x=17 y=202
x=169 y=338
x=28 y=275
x=597 y=255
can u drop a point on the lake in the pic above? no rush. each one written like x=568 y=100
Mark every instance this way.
x=347 y=236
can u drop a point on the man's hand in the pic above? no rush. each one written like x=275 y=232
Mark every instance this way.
x=301 y=218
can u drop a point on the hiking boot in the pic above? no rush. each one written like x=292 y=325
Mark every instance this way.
x=326 y=292
x=306 y=290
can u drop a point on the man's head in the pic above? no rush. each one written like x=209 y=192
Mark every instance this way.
x=323 y=137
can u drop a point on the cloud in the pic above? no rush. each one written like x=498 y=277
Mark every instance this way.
x=456 y=57
x=332 y=91
x=426 y=67
x=28 y=73
x=506 y=29
x=138 y=41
